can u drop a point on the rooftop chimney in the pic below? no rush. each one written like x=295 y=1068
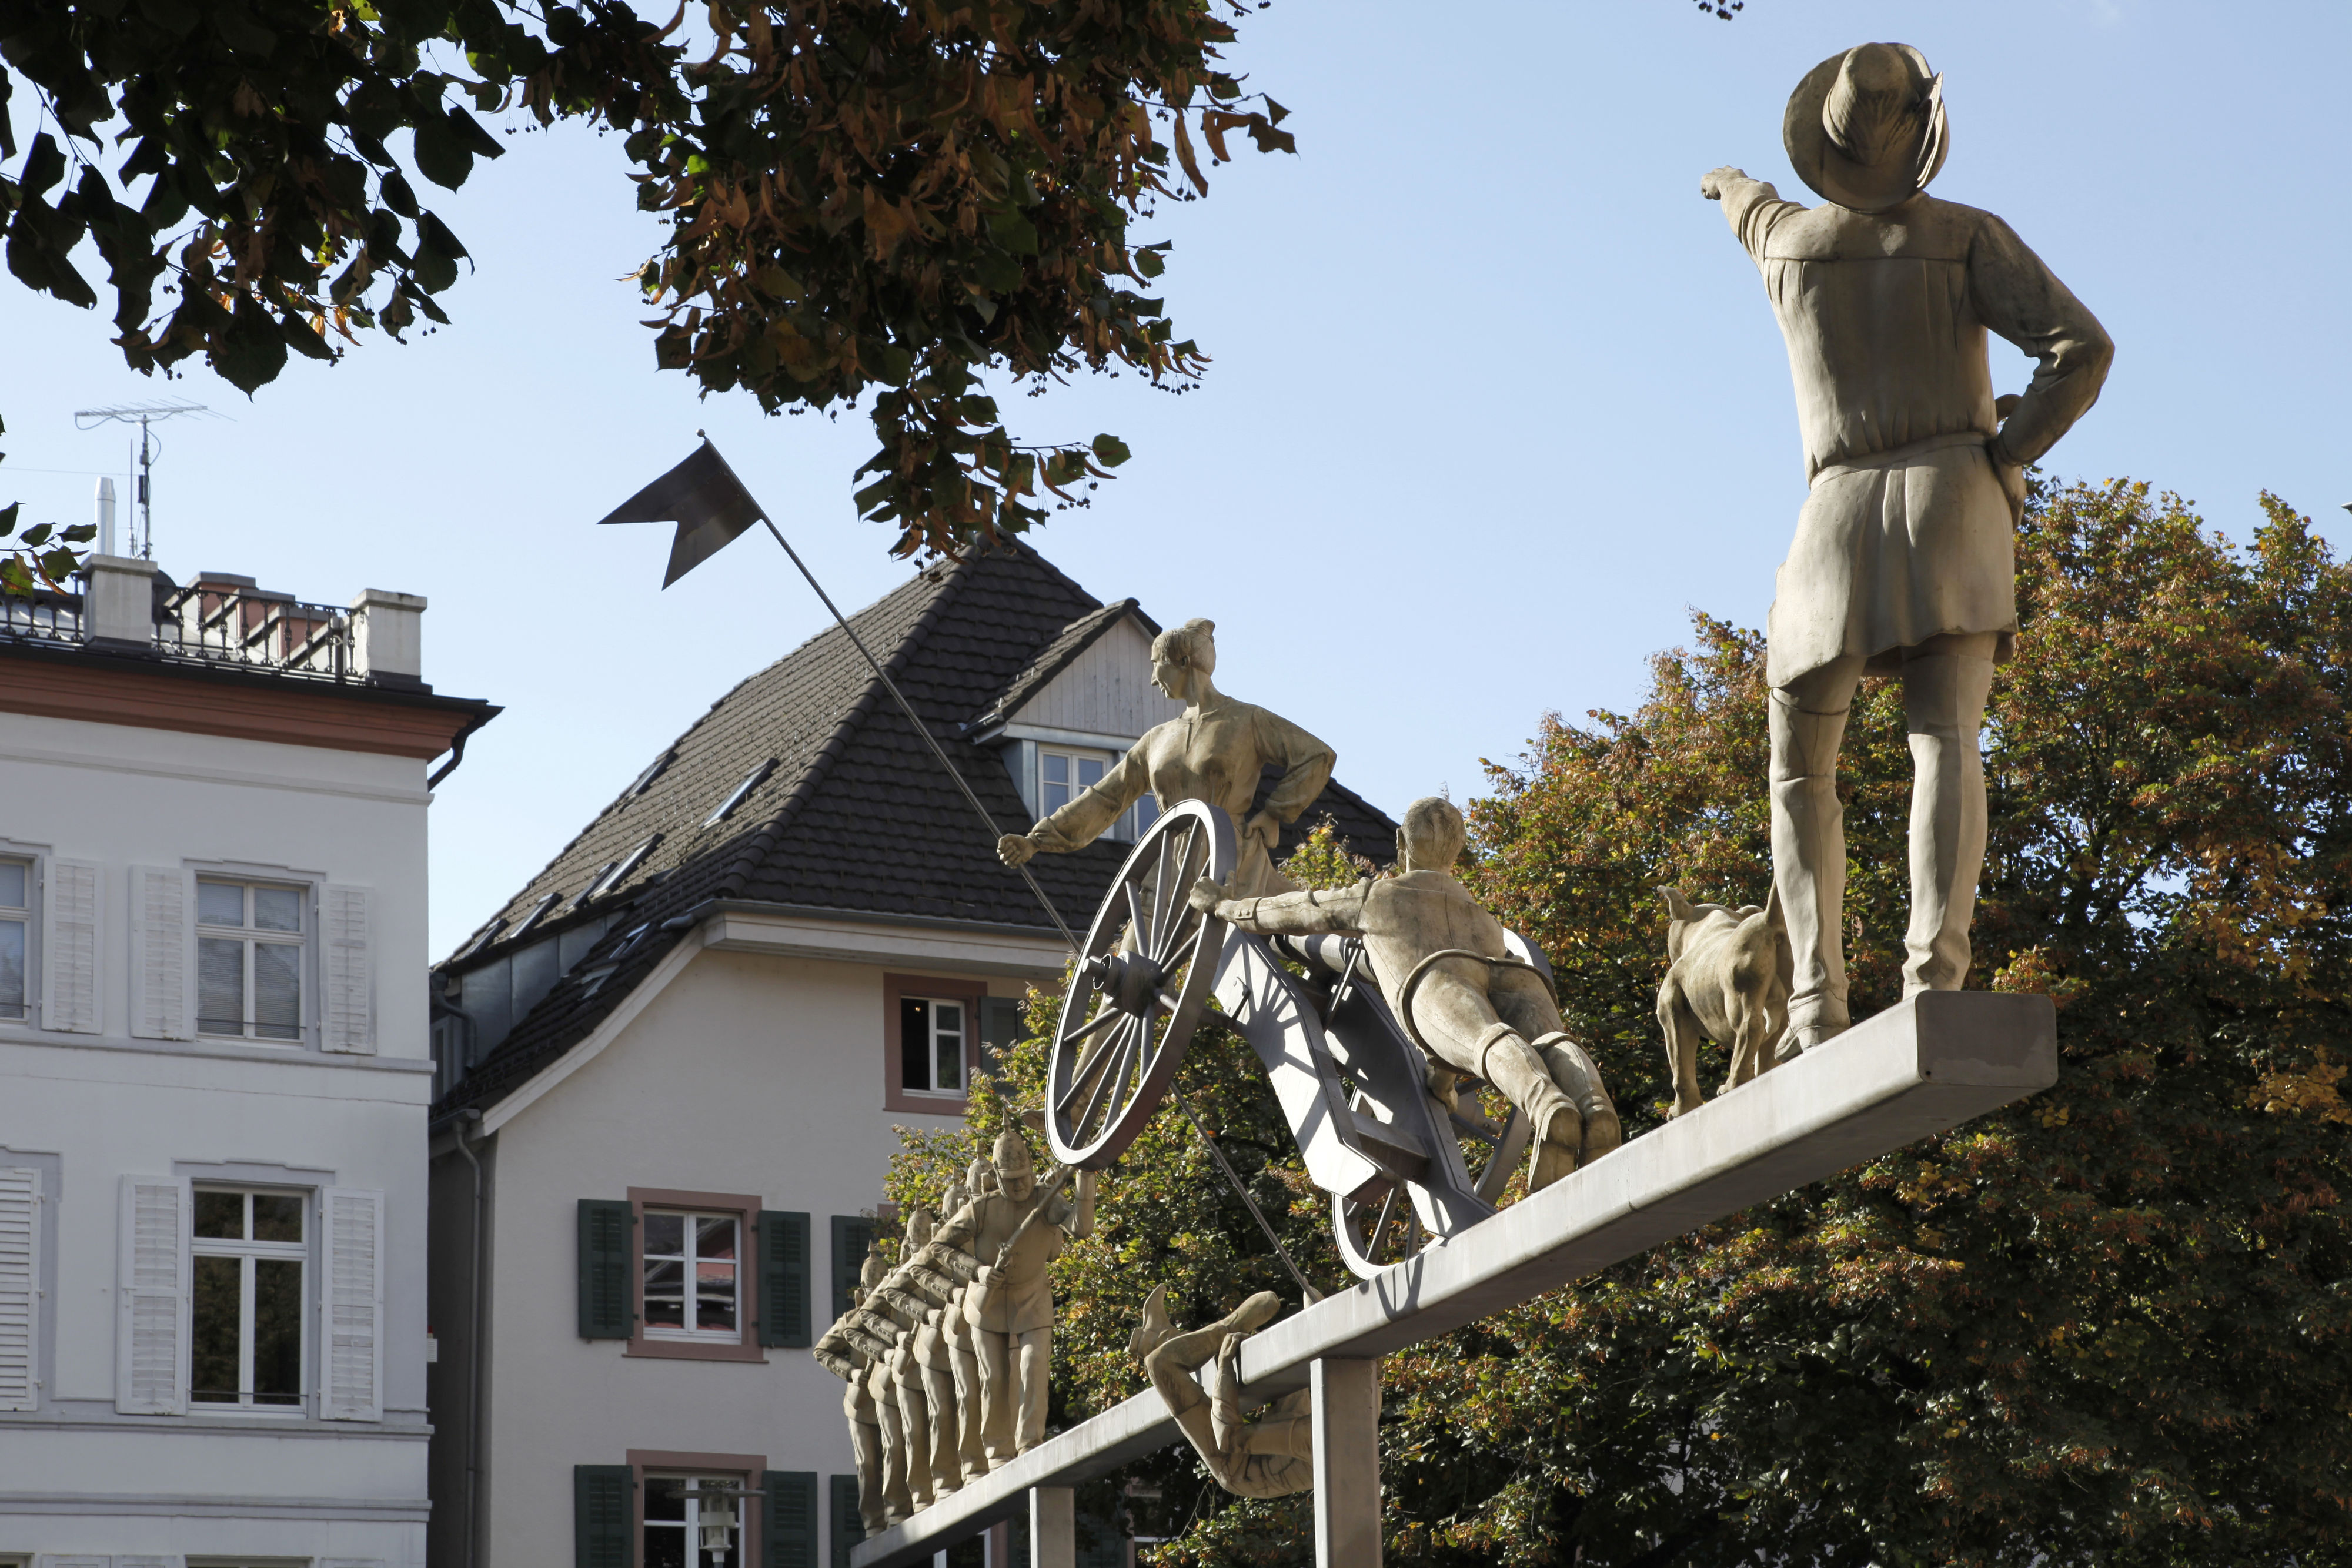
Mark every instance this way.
x=389 y=636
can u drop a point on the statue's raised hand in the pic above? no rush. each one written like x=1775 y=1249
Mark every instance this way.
x=1205 y=895
x=1711 y=184
x=1015 y=849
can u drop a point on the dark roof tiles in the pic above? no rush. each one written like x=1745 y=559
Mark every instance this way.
x=856 y=814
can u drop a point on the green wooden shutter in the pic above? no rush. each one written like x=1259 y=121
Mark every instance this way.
x=851 y=1238
x=848 y=1529
x=602 y=1507
x=788 y=1525
x=605 y=1248
x=783 y=1279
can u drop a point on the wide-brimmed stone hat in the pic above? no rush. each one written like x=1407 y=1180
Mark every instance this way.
x=1865 y=128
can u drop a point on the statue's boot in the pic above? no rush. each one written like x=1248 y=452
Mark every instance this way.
x=1580 y=1079
x=1809 y=863
x=1943 y=705
x=1508 y=1062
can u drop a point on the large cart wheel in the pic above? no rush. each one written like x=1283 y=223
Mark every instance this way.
x=1374 y=1236
x=1143 y=981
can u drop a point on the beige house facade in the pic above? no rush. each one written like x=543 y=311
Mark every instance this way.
x=674 y=1068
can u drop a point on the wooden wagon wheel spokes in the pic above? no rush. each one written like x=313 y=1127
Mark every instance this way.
x=1142 y=983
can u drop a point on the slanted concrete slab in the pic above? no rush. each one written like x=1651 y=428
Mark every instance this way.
x=1914 y=1070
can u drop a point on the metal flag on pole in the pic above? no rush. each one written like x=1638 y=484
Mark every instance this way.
x=711 y=508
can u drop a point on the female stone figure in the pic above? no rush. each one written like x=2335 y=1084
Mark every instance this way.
x=1215 y=752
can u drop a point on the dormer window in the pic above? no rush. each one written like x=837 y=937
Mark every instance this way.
x=1064 y=776
x=1065 y=773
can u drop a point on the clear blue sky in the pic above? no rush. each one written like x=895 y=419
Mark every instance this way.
x=1497 y=398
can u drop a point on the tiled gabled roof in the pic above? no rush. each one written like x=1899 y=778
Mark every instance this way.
x=855 y=815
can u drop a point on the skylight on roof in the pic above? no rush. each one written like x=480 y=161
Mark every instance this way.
x=541 y=907
x=654 y=770
x=614 y=875
x=751 y=781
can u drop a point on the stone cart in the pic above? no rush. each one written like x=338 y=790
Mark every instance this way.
x=1400 y=1166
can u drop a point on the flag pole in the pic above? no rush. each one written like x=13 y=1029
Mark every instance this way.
x=912 y=717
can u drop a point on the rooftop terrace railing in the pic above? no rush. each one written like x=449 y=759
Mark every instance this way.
x=211 y=623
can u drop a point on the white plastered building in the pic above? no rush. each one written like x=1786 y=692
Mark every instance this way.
x=215 y=1076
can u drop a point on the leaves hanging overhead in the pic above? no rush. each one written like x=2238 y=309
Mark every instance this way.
x=868 y=195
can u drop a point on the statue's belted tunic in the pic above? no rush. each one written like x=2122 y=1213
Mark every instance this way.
x=1908 y=530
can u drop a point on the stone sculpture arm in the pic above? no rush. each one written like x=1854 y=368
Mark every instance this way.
x=1314 y=913
x=2019 y=297
x=1750 y=206
x=1090 y=814
x=1306 y=763
x=1077 y=1216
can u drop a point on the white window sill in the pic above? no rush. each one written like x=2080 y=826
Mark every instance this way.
x=695 y=1336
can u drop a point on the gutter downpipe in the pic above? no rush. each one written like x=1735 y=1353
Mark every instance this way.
x=470 y=1117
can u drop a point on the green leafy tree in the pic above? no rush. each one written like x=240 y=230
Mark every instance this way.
x=865 y=195
x=42 y=556
x=2109 y=1325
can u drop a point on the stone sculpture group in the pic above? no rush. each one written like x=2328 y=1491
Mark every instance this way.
x=1902 y=564
x=946 y=1355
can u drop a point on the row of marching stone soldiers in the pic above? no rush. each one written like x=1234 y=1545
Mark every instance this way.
x=947 y=1354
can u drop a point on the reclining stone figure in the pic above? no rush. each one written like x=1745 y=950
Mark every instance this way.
x=1272 y=1456
x=1441 y=961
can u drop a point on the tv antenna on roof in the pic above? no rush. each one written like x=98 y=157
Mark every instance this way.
x=142 y=415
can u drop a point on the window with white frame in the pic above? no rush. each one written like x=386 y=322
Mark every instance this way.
x=249 y=939
x=16 y=937
x=250 y=1253
x=1064 y=775
x=932 y=1035
x=692 y=1267
x=694 y=1522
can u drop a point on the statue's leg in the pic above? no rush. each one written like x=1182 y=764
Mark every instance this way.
x=1032 y=1356
x=1458 y=1020
x=1945 y=681
x=1808 y=721
x=1573 y=1069
x=865 y=1451
x=940 y=1394
x=897 y=1504
x=1000 y=1395
x=972 y=1449
x=915 y=1423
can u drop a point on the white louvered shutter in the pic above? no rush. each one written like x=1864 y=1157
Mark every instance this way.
x=347 y=932
x=71 y=1560
x=20 y=1295
x=163 y=953
x=351 y=1306
x=69 y=927
x=151 y=1338
x=150 y=1560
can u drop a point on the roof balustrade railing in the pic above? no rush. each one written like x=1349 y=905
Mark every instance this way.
x=211 y=623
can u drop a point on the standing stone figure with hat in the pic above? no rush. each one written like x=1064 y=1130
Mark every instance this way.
x=1003 y=1243
x=1904 y=561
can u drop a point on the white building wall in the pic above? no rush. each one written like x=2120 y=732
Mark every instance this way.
x=75 y=1476
x=749 y=1074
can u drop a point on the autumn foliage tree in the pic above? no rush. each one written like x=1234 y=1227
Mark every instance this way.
x=2111 y=1324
